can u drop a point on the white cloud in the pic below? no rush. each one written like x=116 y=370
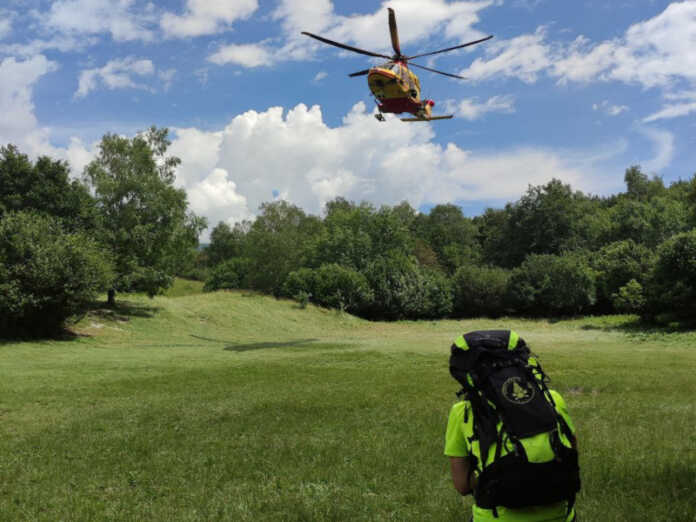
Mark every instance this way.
x=216 y=197
x=60 y=43
x=417 y=22
x=320 y=76
x=5 y=25
x=18 y=124
x=167 y=77
x=116 y=17
x=247 y=55
x=471 y=109
x=116 y=74
x=229 y=172
x=523 y=57
x=655 y=53
x=204 y=17
x=663 y=141
x=685 y=106
x=612 y=110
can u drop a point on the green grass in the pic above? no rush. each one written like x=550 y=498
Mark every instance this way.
x=230 y=406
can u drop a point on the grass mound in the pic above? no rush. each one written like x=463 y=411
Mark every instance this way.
x=234 y=406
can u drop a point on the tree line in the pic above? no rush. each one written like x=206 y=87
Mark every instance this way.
x=553 y=252
x=123 y=227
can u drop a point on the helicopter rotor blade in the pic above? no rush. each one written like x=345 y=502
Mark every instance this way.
x=436 y=71
x=359 y=73
x=346 y=47
x=451 y=48
x=394 y=32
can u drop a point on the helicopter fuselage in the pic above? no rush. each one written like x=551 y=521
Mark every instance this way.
x=397 y=90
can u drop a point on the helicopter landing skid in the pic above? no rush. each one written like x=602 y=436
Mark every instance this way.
x=380 y=117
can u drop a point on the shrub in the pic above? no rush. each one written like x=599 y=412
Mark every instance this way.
x=339 y=287
x=403 y=290
x=228 y=275
x=618 y=263
x=480 y=290
x=299 y=282
x=47 y=275
x=552 y=285
x=629 y=299
x=672 y=288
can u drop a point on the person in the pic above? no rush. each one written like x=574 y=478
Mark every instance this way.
x=463 y=447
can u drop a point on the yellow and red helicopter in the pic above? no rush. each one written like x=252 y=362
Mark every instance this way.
x=395 y=87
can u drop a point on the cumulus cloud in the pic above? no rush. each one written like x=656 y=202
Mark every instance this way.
x=471 y=109
x=18 y=125
x=229 y=172
x=203 y=17
x=247 y=55
x=655 y=52
x=116 y=74
x=417 y=22
x=608 y=108
x=120 y=18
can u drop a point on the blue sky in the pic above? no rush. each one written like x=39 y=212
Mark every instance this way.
x=573 y=90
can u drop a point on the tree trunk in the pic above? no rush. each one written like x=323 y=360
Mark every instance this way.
x=111 y=299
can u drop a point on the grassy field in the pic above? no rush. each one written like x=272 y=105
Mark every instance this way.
x=229 y=406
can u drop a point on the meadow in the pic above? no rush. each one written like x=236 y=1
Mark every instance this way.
x=235 y=406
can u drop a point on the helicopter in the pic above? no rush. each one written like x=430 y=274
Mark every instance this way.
x=395 y=87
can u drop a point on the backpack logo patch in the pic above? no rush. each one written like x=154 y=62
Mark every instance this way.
x=517 y=391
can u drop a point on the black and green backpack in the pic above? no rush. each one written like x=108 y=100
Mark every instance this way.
x=505 y=384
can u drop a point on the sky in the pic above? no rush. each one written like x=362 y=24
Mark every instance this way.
x=577 y=91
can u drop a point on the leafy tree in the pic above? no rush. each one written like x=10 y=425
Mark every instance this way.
x=354 y=234
x=227 y=242
x=672 y=287
x=616 y=265
x=450 y=234
x=230 y=274
x=47 y=274
x=640 y=187
x=630 y=298
x=145 y=223
x=44 y=187
x=277 y=244
x=404 y=290
x=648 y=222
x=546 y=284
x=480 y=291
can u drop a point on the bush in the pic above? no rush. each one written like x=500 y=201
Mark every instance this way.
x=480 y=291
x=228 y=275
x=552 y=285
x=299 y=282
x=618 y=263
x=343 y=288
x=629 y=299
x=672 y=288
x=404 y=290
x=47 y=275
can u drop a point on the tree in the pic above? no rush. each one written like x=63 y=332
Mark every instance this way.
x=144 y=219
x=226 y=242
x=546 y=284
x=672 y=287
x=277 y=244
x=480 y=291
x=450 y=234
x=46 y=273
x=44 y=187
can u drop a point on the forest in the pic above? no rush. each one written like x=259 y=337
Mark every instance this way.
x=122 y=227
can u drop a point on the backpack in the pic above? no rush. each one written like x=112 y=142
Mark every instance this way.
x=503 y=381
